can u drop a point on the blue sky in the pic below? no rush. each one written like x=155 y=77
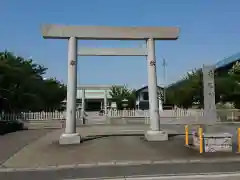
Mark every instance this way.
x=210 y=31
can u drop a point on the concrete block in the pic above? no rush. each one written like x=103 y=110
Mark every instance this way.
x=156 y=135
x=70 y=139
x=214 y=142
x=196 y=141
x=218 y=142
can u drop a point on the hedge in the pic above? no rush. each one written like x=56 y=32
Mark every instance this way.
x=10 y=126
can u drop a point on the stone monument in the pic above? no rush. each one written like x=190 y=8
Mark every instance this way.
x=210 y=114
x=212 y=141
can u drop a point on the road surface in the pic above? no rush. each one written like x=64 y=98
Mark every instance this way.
x=226 y=176
x=124 y=171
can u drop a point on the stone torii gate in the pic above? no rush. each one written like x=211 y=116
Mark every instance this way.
x=73 y=33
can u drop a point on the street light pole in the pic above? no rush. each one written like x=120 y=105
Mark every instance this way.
x=164 y=77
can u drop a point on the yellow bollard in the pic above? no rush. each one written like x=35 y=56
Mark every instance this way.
x=239 y=140
x=186 y=135
x=200 y=133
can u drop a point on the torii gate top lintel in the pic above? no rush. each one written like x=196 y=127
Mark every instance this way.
x=51 y=31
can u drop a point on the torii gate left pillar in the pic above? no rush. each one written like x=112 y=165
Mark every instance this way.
x=72 y=33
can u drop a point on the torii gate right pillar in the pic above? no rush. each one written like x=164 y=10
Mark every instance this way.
x=154 y=134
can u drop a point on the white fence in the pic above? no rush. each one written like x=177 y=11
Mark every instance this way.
x=164 y=113
x=56 y=115
x=177 y=113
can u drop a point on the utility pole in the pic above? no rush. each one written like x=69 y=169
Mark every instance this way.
x=164 y=64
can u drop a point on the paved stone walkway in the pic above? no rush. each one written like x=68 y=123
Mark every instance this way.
x=13 y=142
x=38 y=148
x=95 y=148
x=123 y=144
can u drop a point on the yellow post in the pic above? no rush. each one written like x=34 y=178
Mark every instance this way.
x=186 y=135
x=200 y=133
x=239 y=140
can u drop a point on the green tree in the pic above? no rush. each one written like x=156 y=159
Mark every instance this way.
x=22 y=87
x=234 y=78
x=189 y=90
x=118 y=94
x=186 y=92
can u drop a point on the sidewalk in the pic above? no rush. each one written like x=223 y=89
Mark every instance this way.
x=107 y=149
x=11 y=143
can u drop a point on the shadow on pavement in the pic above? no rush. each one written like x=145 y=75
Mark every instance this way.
x=90 y=138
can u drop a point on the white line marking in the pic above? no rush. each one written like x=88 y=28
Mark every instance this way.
x=225 y=176
x=123 y=163
x=210 y=176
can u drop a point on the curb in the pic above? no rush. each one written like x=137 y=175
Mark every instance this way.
x=120 y=163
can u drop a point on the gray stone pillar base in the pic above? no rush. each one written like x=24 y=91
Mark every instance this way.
x=156 y=135
x=70 y=139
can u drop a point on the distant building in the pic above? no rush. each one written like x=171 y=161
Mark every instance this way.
x=224 y=65
x=142 y=100
x=220 y=67
x=96 y=97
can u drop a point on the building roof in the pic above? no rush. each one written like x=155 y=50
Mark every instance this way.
x=220 y=64
x=145 y=87
x=227 y=61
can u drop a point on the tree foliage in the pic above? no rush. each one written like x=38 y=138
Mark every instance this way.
x=23 y=88
x=189 y=90
x=234 y=91
x=119 y=94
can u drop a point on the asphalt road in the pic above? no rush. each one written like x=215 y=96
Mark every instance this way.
x=121 y=171
x=210 y=176
x=227 y=176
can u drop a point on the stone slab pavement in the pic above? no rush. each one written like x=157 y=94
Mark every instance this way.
x=109 y=151
x=100 y=146
x=13 y=142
